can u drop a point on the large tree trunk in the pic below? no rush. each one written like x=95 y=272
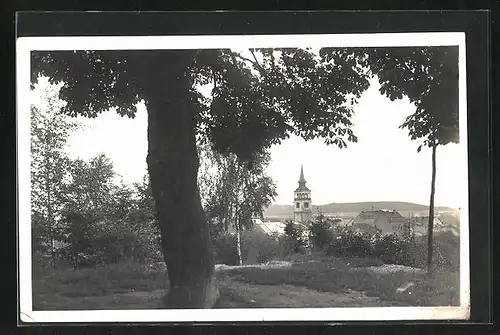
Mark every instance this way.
x=430 y=226
x=173 y=166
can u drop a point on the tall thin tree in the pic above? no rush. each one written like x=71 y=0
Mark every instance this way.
x=50 y=131
x=428 y=76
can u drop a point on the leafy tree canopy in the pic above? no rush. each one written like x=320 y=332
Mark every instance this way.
x=233 y=195
x=428 y=76
x=259 y=96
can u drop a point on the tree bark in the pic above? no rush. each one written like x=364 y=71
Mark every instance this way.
x=430 y=226
x=173 y=167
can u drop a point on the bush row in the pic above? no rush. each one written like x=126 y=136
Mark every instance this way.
x=109 y=243
x=338 y=242
x=392 y=249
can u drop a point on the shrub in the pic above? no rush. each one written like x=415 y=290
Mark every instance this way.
x=392 y=249
x=320 y=234
x=266 y=247
x=296 y=238
x=287 y=246
x=446 y=251
x=110 y=242
x=225 y=249
x=388 y=248
x=254 y=243
x=40 y=262
x=350 y=243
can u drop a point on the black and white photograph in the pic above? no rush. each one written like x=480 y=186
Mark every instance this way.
x=317 y=177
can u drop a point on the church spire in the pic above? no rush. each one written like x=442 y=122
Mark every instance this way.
x=302 y=180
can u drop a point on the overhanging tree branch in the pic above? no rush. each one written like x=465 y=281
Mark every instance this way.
x=235 y=55
x=257 y=62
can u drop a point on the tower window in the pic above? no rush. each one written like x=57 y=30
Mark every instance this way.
x=297 y=205
x=306 y=205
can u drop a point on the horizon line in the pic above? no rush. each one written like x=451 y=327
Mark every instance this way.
x=369 y=201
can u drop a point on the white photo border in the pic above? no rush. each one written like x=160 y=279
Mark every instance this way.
x=25 y=45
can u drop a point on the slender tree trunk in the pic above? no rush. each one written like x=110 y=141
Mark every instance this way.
x=50 y=219
x=238 y=241
x=430 y=226
x=173 y=167
x=235 y=181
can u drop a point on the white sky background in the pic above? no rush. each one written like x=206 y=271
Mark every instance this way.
x=383 y=166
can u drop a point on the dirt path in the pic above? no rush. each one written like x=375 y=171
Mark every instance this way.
x=130 y=300
x=244 y=295
x=234 y=294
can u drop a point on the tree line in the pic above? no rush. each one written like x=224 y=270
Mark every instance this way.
x=82 y=214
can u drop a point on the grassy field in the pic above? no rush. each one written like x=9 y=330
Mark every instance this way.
x=315 y=281
x=340 y=275
x=91 y=287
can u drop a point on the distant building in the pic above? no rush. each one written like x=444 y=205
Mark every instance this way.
x=269 y=227
x=302 y=209
x=420 y=224
x=273 y=228
x=381 y=221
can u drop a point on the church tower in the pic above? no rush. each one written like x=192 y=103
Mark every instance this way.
x=302 y=212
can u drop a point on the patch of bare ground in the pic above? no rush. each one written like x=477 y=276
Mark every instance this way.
x=233 y=295
x=236 y=294
x=130 y=300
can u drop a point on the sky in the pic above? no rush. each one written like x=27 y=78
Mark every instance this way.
x=382 y=166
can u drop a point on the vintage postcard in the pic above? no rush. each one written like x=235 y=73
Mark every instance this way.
x=243 y=178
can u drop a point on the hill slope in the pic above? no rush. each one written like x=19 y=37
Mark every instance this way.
x=347 y=207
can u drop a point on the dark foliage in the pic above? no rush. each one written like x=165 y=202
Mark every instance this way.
x=393 y=249
x=254 y=103
x=265 y=248
x=297 y=238
x=321 y=232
